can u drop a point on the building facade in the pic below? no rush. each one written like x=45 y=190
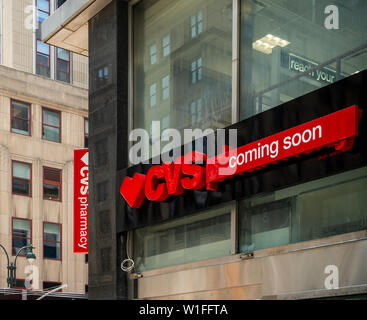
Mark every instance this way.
x=295 y=229
x=43 y=118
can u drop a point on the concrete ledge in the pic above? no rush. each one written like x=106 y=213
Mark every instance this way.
x=67 y=27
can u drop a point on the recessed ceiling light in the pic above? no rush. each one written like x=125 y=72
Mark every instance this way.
x=267 y=43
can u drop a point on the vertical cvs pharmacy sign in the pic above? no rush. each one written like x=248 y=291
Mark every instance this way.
x=81 y=171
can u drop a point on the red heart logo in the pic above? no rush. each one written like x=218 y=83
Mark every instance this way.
x=132 y=189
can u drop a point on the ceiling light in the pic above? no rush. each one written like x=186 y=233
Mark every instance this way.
x=267 y=43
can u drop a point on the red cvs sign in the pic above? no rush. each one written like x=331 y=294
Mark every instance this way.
x=195 y=171
x=81 y=171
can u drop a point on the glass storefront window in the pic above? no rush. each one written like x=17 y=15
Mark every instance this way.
x=199 y=237
x=182 y=53
x=314 y=210
x=282 y=39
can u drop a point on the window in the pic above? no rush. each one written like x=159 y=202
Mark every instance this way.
x=20 y=117
x=43 y=9
x=202 y=236
x=165 y=123
x=49 y=285
x=153 y=54
x=63 y=65
x=277 y=49
x=165 y=88
x=42 y=58
x=86 y=132
x=52 y=241
x=52 y=184
x=20 y=284
x=51 y=124
x=166 y=46
x=196 y=70
x=196 y=24
x=196 y=112
x=322 y=208
x=22 y=178
x=59 y=3
x=153 y=94
x=164 y=32
x=86 y=258
x=21 y=235
x=103 y=75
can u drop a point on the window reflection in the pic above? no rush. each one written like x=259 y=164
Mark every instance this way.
x=173 y=41
x=286 y=50
x=200 y=237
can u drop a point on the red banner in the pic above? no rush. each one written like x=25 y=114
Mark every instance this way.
x=337 y=130
x=81 y=171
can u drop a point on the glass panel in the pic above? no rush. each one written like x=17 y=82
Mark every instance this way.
x=51 y=285
x=20 y=126
x=199 y=237
x=86 y=127
x=42 y=16
x=21 y=187
x=154 y=20
x=313 y=210
x=166 y=45
x=18 y=244
x=60 y=3
x=65 y=77
x=51 y=192
x=20 y=110
x=20 y=284
x=43 y=60
x=63 y=66
x=51 y=118
x=21 y=228
x=153 y=95
x=51 y=250
x=51 y=133
x=63 y=54
x=21 y=170
x=277 y=49
x=43 y=5
x=43 y=48
x=52 y=232
x=40 y=69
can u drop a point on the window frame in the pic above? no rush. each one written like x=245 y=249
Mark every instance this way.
x=196 y=24
x=155 y=95
x=12 y=177
x=168 y=45
x=196 y=70
x=68 y=61
x=51 y=183
x=43 y=241
x=49 y=9
x=155 y=54
x=57 y=4
x=49 y=55
x=43 y=124
x=57 y=284
x=20 y=288
x=29 y=119
x=166 y=88
x=12 y=236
